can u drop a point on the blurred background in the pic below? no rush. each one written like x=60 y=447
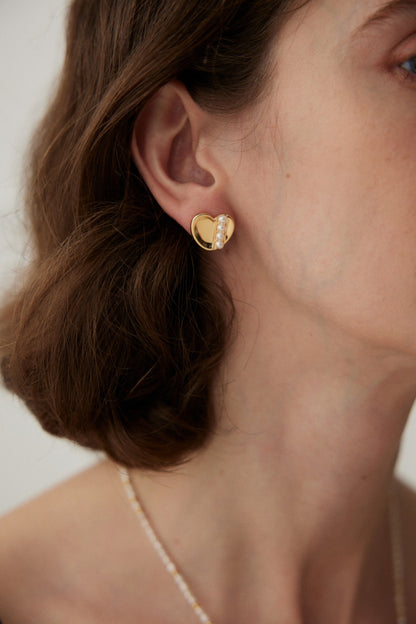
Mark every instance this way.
x=31 y=49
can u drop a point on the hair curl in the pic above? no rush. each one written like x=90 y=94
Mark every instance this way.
x=115 y=337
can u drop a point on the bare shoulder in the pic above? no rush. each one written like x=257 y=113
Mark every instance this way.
x=76 y=554
x=43 y=544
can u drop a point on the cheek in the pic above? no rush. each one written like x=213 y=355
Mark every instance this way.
x=343 y=234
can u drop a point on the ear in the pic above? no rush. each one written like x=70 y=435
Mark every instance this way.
x=175 y=161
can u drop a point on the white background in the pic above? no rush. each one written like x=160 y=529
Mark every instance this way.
x=31 y=49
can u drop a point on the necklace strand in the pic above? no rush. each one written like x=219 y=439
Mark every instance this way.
x=159 y=548
x=396 y=547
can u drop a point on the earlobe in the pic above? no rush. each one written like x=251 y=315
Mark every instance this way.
x=165 y=145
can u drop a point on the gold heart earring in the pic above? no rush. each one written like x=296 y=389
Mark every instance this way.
x=212 y=233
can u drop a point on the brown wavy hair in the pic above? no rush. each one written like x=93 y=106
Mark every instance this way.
x=115 y=337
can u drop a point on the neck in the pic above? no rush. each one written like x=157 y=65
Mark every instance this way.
x=295 y=483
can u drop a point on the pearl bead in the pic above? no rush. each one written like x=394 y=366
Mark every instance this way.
x=222 y=218
x=181 y=583
x=219 y=245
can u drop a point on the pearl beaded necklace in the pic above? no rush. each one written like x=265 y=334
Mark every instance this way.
x=157 y=545
x=396 y=544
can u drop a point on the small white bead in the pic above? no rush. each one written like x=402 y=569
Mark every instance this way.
x=221 y=227
x=188 y=597
x=182 y=583
x=220 y=236
x=219 y=245
x=222 y=219
x=165 y=558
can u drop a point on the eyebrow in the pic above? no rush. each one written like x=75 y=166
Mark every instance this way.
x=385 y=14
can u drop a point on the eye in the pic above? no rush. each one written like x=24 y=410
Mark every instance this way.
x=408 y=68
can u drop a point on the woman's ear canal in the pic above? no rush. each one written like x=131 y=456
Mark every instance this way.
x=165 y=143
x=182 y=165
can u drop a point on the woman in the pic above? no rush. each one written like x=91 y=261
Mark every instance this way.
x=256 y=389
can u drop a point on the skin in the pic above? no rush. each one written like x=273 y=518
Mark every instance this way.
x=282 y=519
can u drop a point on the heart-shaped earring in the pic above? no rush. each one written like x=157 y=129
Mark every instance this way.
x=212 y=233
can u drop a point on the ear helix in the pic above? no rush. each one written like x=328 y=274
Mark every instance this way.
x=212 y=233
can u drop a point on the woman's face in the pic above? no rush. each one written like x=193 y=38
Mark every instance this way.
x=328 y=173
